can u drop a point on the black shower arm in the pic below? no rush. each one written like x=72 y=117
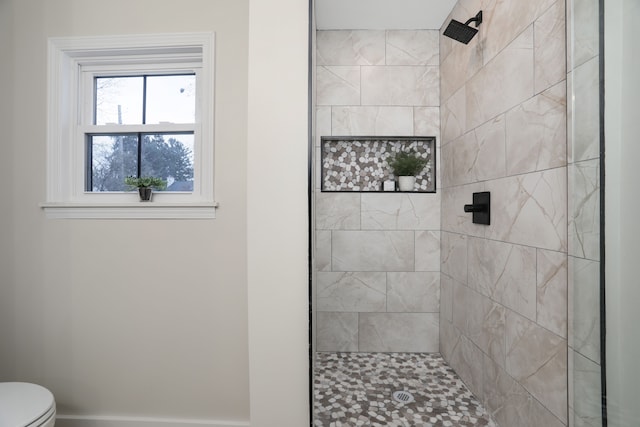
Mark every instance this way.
x=477 y=19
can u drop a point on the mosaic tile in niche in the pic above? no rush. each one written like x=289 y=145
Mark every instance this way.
x=361 y=163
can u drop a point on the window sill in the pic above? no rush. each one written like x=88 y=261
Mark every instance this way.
x=140 y=210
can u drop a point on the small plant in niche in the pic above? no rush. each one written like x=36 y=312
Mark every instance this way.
x=406 y=165
x=145 y=185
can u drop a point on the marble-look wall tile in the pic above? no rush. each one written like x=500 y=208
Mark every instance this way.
x=336 y=331
x=536 y=132
x=338 y=85
x=426 y=122
x=360 y=47
x=510 y=266
x=447 y=171
x=585 y=32
x=384 y=332
x=570 y=388
x=509 y=403
x=503 y=83
x=388 y=121
x=584 y=307
x=446 y=43
x=454 y=116
x=446 y=298
x=584 y=209
x=412 y=47
x=337 y=211
x=460 y=65
x=584 y=135
x=396 y=85
x=504 y=272
x=489 y=146
x=398 y=233
x=476 y=156
x=317 y=169
x=323 y=123
x=449 y=339
x=400 y=211
x=453 y=252
x=481 y=320
x=538 y=198
x=372 y=250
x=351 y=292
x=323 y=250
x=466 y=360
x=467 y=311
x=550 y=44
x=413 y=292
x=454 y=218
x=537 y=359
x=427 y=250
x=551 y=275
x=503 y=21
x=586 y=406
x=492 y=338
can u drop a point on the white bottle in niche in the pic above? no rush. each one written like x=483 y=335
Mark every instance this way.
x=389 y=185
x=406 y=183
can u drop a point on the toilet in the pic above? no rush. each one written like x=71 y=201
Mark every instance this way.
x=26 y=405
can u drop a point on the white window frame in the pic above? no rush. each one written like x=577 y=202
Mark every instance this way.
x=73 y=64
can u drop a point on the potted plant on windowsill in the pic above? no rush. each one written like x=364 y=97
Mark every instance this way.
x=406 y=165
x=145 y=185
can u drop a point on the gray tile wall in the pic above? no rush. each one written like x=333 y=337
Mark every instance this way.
x=503 y=316
x=377 y=256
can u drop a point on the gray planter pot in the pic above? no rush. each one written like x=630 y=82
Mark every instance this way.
x=145 y=193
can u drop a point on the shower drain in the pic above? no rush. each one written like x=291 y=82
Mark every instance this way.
x=403 y=396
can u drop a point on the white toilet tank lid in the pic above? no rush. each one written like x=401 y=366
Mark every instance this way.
x=23 y=403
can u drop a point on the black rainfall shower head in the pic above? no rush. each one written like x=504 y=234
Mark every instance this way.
x=463 y=32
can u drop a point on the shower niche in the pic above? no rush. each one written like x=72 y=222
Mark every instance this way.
x=361 y=164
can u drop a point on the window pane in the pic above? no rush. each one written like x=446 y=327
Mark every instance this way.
x=119 y=100
x=113 y=158
x=171 y=99
x=170 y=157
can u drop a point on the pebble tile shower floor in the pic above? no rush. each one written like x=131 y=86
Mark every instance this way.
x=356 y=389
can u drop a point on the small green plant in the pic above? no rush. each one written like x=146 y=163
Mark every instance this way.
x=146 y=182
x=407 y=163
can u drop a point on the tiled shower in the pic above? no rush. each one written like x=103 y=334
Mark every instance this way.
x=407 y=272
x=377 y=254
x=504 y=131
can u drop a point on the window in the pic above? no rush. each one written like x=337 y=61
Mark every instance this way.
x=130 y=106
x=138 y=101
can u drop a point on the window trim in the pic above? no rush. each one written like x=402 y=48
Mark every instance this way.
x=70 y=58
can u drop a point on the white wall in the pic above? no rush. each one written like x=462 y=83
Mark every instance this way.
x=277 y=207
x=127 y=318
x=622 y=89
x=149 y=318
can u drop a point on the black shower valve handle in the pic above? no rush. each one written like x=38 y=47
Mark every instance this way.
x=476 y=208
x=480 y=208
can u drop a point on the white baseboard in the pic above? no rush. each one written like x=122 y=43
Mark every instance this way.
x=102 y=421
